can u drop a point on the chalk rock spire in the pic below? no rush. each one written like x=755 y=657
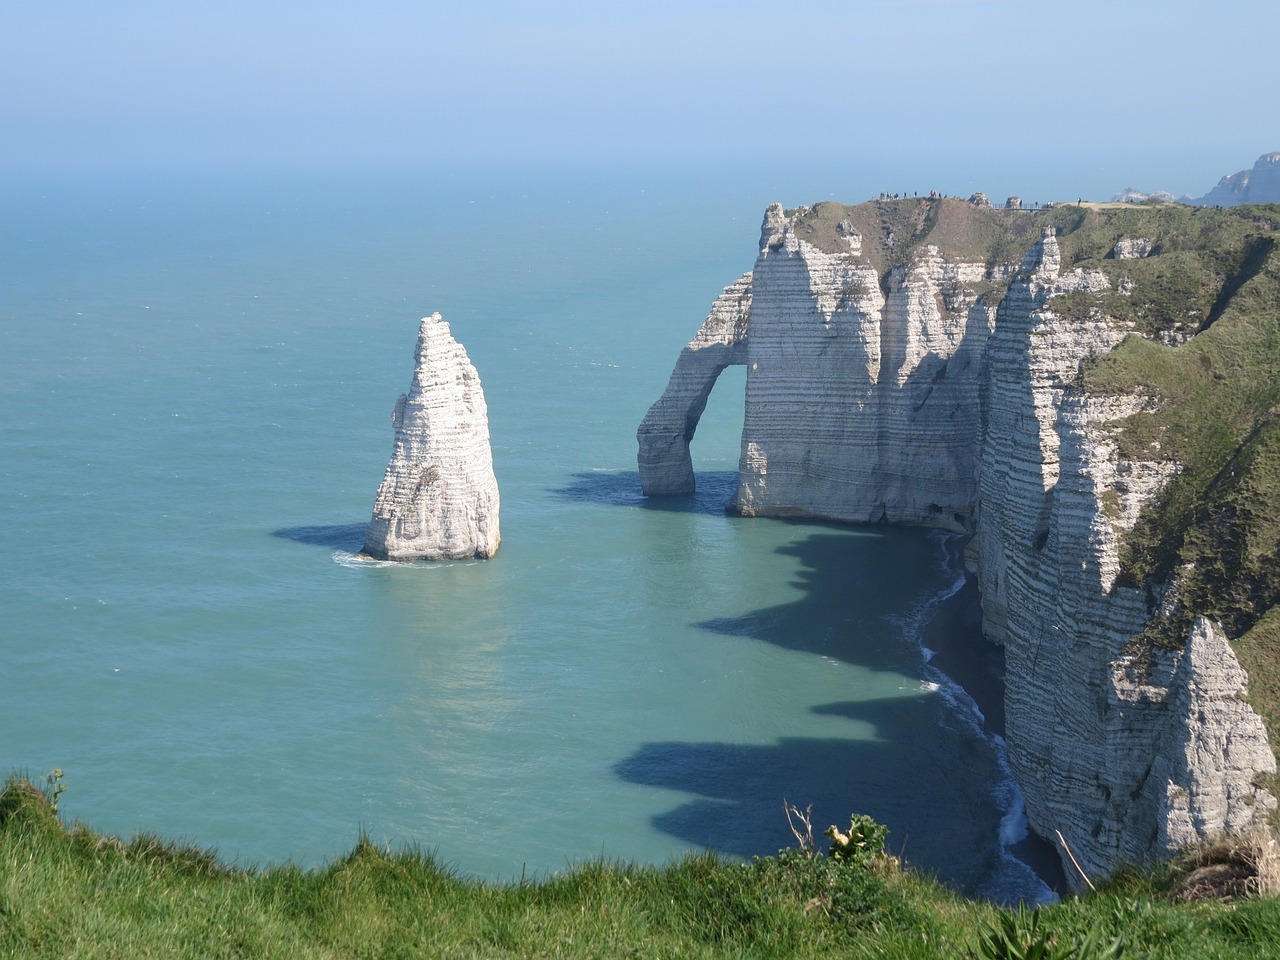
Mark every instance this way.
x=439 y=497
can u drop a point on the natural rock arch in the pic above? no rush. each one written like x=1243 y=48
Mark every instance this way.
x=666 y=467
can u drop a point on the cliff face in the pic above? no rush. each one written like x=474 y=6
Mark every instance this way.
x=1109 y=752
x=438 y=499
x=857 y=381
x=1259 y=184
x=931 y=376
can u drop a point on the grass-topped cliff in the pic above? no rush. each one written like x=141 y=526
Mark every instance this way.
x=1200 y=289
x=71 y=892
x=1212 y=287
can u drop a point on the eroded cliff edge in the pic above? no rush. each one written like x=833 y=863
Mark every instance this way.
x=1090 y=394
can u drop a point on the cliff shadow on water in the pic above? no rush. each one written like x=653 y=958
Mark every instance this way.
x=337 y=536
x=622 y=489
x=915 y=756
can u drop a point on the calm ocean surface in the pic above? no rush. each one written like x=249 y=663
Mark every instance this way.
x=196 y=382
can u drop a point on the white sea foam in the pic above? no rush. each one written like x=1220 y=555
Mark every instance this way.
x=344 y=558
x=357 y=561
x=1014 y=878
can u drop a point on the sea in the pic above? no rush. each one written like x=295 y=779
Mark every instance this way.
x=197 y=373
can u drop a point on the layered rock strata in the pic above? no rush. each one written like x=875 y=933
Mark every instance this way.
x=937 y=384
x=862 y=387
x=439 y=498
x=1104 y=747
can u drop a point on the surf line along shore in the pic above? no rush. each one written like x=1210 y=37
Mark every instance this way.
x=948 y=630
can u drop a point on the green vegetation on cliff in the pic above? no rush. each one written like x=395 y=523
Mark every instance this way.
x=1205 y=307
x=1214 y=535
x=70 y=892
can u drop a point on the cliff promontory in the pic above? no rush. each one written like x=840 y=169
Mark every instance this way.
x=1089 y=394
x=439 y=497
x=1258 y=184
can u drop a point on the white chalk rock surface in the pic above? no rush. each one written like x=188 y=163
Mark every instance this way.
x=439 y=498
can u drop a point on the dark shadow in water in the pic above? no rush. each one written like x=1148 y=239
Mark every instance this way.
x=836 y=576
x=1033 y=850
x=901 y=780
x=341 y=536
x=846 y=576
x=963 y=653
x=622 y=489
x=921 y=773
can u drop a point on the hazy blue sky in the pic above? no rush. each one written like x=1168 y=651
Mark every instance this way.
x=1163 y=93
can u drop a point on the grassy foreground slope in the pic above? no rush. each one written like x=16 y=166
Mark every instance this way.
x=70 y=892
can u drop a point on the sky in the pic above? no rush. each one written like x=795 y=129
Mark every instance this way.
x=1168 y=94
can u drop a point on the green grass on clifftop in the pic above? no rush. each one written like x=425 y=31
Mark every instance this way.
x=1205 y=305
x=70 y=892
x=1215 y=411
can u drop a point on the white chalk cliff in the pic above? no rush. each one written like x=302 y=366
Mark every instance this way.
x=933 y=384
x=439 y=498
x=862 y=388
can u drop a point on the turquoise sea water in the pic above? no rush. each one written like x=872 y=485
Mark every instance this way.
x=196 y=381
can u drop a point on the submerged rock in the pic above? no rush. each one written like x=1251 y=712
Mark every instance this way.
x=439 y=497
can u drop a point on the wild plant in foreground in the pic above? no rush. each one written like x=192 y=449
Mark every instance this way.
x=1017 y=935
x=863 y=843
